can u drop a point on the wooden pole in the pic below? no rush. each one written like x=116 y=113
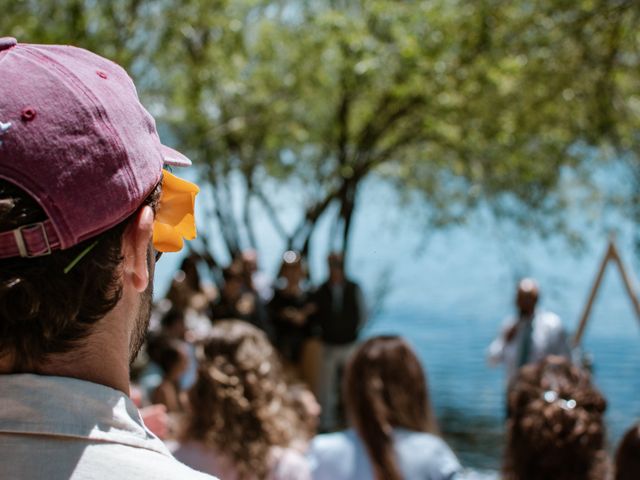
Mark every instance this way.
x=592 y=295
x=631 y=291
x=611 y=254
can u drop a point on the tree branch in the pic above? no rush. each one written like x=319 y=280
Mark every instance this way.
x=246 y=215
x=383 y=121
x=342 y=119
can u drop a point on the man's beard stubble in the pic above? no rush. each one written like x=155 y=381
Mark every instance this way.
x=143 y=317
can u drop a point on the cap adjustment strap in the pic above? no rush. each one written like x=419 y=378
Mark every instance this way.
x=29 y=241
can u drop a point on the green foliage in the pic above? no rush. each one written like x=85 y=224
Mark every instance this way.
x=464 y=103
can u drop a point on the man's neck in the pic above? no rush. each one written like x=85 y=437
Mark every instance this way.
x=96 y=365
x=527 y=316
x=103 y=358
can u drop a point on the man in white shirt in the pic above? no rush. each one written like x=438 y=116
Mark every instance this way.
x=530 y=336
x=85 y=210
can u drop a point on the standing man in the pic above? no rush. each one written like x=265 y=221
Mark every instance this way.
x=341 y=313
x=530 y=336
x=85 y=210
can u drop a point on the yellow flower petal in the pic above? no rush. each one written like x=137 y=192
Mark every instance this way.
x=175 y=217
x=166 y=238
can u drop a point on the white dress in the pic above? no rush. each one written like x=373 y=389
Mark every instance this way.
x=286 y=463
x=420 y=456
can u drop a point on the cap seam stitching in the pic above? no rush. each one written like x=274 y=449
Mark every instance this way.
x=102 y=113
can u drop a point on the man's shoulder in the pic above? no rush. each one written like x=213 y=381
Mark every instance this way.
x=549 y=319
x=91 y=430
x=150 y=464
x=79 y=459
x=352 y=283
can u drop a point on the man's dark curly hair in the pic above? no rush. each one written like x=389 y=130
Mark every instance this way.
x=43 y=310
x=556 y=428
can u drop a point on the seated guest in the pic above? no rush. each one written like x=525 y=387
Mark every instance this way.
x=307 y=410
x=290 y=308
x=173 y=325
x=236 y=301
x=394 y=434
x=240 y=425
x=628 y=455
x=183 y=313
x=173 y=359
x=229 y=304
x=556 y=427
x=254 y=279
x=187 y=290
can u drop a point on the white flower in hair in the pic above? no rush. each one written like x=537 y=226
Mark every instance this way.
x=551 y=396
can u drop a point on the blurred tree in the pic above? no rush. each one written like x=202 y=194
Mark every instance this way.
x=460 y=103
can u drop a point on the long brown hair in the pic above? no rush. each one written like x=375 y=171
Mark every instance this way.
x=239 y=404
x=627 y=456
x=556 y=427
x=386 y=387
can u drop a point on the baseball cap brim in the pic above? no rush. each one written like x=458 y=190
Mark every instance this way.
x=173 y=157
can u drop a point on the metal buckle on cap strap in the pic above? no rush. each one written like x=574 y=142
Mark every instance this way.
x=22 y=244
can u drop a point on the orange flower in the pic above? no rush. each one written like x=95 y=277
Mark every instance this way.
x=175 y=218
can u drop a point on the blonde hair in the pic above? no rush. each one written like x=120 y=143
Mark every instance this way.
x=238 y=403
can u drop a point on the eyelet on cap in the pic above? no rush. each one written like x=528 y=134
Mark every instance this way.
x=101 y=74
x=28 y=114
x=7 y=42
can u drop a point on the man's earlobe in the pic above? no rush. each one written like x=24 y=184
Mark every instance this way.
x=136 y=241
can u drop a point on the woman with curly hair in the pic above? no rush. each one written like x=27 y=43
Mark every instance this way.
x=241 y=425
x=628 y=455
x=556 y=427
x=394 y=433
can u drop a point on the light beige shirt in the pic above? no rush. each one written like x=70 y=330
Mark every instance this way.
x=286 y=463
x=62 y=428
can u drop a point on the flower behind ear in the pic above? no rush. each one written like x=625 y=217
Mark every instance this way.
x=175 y=218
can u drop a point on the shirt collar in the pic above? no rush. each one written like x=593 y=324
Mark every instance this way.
x=68 y=407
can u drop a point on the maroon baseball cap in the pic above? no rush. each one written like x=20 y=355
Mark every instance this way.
x=74 y=135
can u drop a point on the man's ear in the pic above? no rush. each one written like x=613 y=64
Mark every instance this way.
x=135 y=249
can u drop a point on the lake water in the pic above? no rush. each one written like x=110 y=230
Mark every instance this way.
x=449 y=292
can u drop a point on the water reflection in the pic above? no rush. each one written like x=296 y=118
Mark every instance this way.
x=477 y=440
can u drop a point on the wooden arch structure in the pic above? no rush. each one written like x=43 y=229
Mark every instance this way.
x=611 y=255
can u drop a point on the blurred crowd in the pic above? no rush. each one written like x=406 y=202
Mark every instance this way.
x=313 y=329
x=245 y=378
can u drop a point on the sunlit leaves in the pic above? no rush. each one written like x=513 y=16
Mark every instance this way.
x=463 y=102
